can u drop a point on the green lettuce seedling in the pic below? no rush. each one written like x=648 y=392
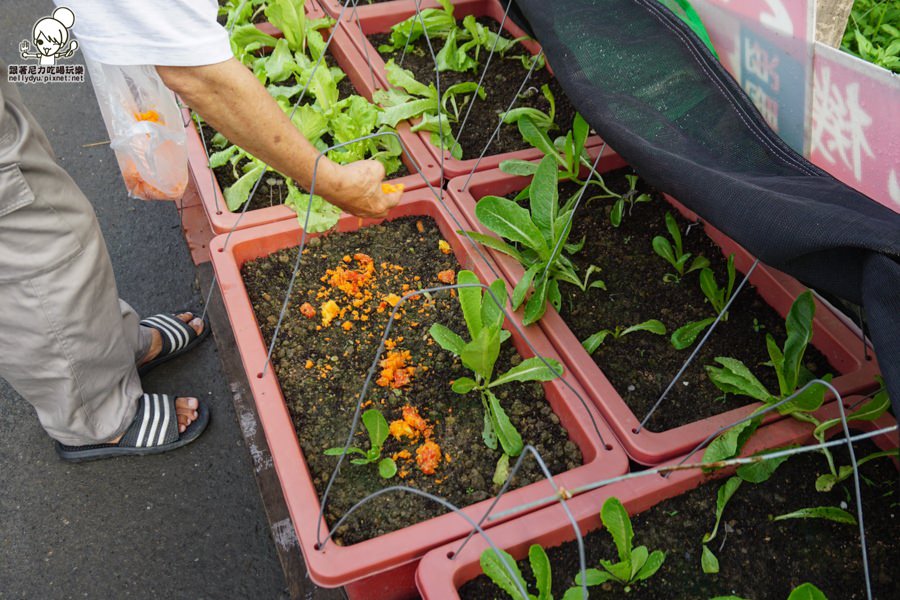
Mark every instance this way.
x=542 y=234
x=635 y=564
x=717 y=297
x=492 y=565
x=675 y=254
x=377 y=427
x=595 y=341
x=629 y=199
x=484 y=320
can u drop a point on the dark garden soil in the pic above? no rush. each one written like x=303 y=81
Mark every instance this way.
x=321 y=371
x=640 y=365
x=272 y=191
x=503 y=78
x=758 y=558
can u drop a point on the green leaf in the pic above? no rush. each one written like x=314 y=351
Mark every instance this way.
x=639 y=556
x=799 y=333
x=399 y=77
x=777 y=359
x=494 y=244
x=447 y=339
x=470 y=301
x=729 y=443
x=506 y=432
x=322 y=216
x=735 y=378
x=576 y=593
x=620 y=570
x=685 y=335
x=580 y=132
x=615 y=519
x=492 y=315
x=615 y=217
x=239 y=192
x=663 y=247
x=726 y=491
x=492 y=564
x=538 y=138
x=524 y=284
x=593 y=342
x=651 y=566
x=221 y=158
x=290 y=18
x=650 y=326
x=501 y=471
x=481 y=353
x=511 y=221
x=340 y=451
x=806 y=591
x=488 y=434
x=463 y=385
x=708 y=561
x=808 y=400
x=869 y=411
x=760 y=471
x=387 y=468
x=544 y=197
x=530 y=369
x=830 y=513
x=699 y=263
x=518 y=167
x=393 y=115
x=540 y=567
x=591 y=578
x=711 y=290
x=537 y=304
x=675 y=233
x=377 y=426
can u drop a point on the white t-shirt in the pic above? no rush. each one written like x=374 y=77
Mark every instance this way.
x=179 y=33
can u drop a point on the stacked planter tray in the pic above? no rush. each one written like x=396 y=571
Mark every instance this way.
x=383 y=567
x=378 y=18
x=442 y=573
x=831 y=336
x=347 y=58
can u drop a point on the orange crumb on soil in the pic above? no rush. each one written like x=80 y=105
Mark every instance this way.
x=309 y=364
x=329 y=310
x=428 y=457
x=420 y=226
x=444 y=247
x=347 y=325
x=448 y=276
x=307 y=310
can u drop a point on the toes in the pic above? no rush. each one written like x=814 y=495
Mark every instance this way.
x=187 y=403
x=197 y=325
x=186 y=316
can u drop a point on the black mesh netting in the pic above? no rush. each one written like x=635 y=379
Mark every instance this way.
x=653 y=91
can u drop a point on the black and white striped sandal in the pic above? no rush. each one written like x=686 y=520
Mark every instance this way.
x=177 y=338
x=153 y=431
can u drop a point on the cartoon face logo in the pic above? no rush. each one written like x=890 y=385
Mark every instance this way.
x=50 y=37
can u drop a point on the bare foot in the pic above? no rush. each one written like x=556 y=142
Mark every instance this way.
x=156 y=337
x=185 y=408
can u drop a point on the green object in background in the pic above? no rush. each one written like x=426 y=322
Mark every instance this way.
x=684 y=11
x=873 y=33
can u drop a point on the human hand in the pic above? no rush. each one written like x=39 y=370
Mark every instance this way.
x=361 y=192
x=23 y=48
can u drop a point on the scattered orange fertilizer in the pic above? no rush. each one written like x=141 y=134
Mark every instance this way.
x=401 y=429
x=444 y=246
x=307 y=310
x=149 y=115
x=448 y=276
x=394 y=372
x=388 y=188
x=330 y=310
x=428 y=457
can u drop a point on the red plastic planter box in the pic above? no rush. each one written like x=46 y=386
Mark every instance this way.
x=332 y=8
x=223 y=220
x=380 y=19
x=384 y=564
x=441 y=574
x=830 y=335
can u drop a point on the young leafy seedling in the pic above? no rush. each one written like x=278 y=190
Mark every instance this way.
x=758 y=472
x=629 y=199
x=717 y=297
x=635 y=564
x=484 y=320
x=492 y=566
x=377 y=427
x=652 y=326
x=542 y=233
x=675 y=254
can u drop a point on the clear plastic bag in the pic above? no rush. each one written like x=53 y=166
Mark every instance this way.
x=145 y=129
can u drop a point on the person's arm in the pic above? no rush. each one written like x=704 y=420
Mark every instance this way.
x=231 y=99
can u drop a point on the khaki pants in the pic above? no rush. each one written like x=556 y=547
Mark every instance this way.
x=68 y=345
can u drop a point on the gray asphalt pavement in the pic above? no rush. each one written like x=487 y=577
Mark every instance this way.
x=189 y=524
